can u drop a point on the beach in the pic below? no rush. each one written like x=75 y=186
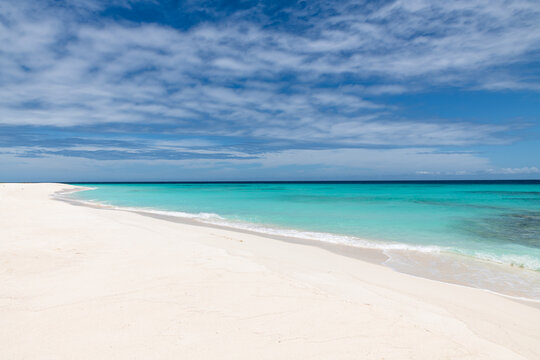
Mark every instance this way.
x=90 y=283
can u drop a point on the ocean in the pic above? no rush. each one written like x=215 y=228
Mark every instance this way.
x=482 y=234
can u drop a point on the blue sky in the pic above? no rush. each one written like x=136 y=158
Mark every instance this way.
x=282 y=90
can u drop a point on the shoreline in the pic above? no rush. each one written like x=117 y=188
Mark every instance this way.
x=81 y=282
x=445 y=262
x=374 y=256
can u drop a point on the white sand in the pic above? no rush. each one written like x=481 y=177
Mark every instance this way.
x=84 y=283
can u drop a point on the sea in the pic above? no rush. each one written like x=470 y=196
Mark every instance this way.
x=484 y=234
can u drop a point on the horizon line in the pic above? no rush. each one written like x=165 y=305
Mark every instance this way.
x=286 y=181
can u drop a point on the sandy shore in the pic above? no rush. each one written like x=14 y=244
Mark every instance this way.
x=85 y=283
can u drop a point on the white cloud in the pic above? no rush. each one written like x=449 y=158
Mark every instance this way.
x=234 y=78
x=512 y=171
x=106 y=72
x=380 y=161
x=288 y=164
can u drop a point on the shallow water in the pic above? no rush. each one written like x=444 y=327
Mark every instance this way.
x=495 y=222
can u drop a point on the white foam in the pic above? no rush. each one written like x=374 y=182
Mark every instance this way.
x=522 y=261
x=215 y=219
x=202 y=216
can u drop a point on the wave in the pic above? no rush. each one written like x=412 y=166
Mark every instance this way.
x=520 y=261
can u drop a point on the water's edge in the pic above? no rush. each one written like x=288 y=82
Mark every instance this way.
x=407 y=260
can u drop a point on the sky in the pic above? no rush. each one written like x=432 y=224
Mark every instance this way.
x=152 y=90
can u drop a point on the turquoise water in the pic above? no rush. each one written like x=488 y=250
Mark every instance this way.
x=498 y=222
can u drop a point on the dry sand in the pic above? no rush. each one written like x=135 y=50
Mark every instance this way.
x=84 y=283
